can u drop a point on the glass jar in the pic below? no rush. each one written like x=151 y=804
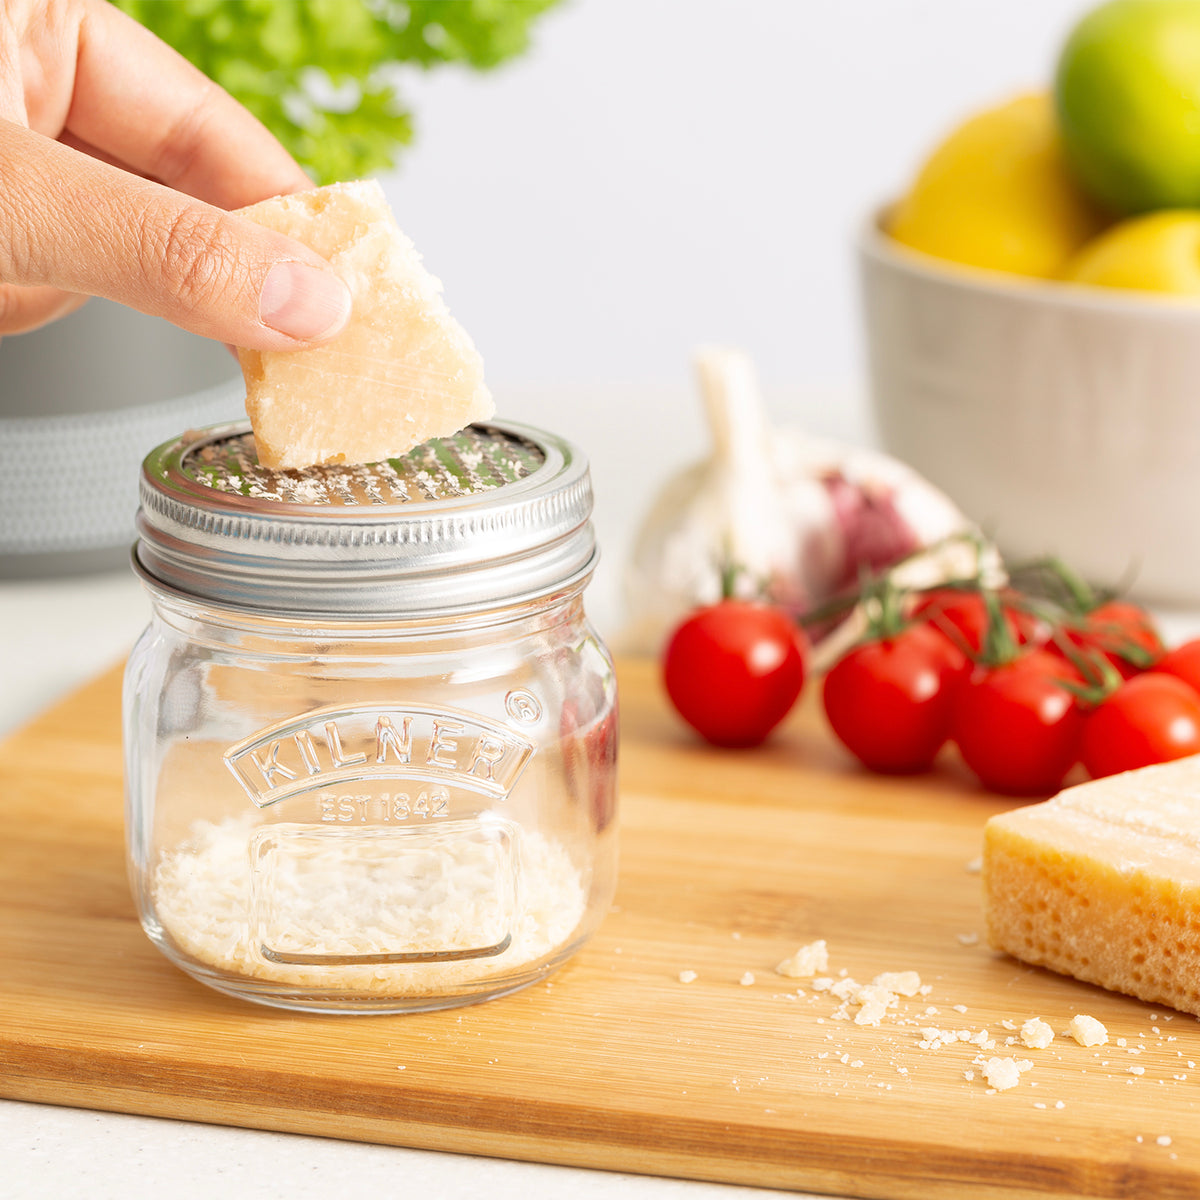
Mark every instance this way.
x=370 y=736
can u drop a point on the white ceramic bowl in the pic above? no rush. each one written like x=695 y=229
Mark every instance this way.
x=1064 y=419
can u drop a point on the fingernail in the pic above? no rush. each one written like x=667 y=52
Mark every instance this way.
x=304 y=302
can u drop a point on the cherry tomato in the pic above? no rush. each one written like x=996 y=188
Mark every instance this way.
x=962 y=617
x=1017 y=727
x=1123 y=632
x=734 y=670
x=890 y=701
x=1149 y=719
x=1183 y=662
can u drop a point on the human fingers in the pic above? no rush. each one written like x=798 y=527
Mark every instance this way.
x=26 y=308
x=71 y=222
x=139 y=102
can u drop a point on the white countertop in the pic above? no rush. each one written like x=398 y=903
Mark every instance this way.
x=68 y=1154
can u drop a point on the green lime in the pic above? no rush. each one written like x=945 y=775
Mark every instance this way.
x=1127 y=92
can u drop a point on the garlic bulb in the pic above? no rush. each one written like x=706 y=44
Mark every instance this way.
x=797 y=516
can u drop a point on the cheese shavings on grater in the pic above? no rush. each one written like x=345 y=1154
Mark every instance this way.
x=474 y=460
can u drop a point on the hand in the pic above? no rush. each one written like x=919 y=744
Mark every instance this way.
x=117 y=161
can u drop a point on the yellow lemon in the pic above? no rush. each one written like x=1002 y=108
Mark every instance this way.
x=997 y=194
x=1128 y=93
x=1157 y=252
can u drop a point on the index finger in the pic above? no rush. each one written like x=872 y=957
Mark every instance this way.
x=139 y=101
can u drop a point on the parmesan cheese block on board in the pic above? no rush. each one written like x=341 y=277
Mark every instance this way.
x=401 y=372
x=1103 y=883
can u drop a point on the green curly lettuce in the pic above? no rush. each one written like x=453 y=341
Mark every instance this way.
x=321 y=74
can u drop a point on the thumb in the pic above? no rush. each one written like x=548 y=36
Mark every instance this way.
x=74 y=223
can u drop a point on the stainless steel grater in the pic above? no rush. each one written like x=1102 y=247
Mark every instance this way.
x=498 y=512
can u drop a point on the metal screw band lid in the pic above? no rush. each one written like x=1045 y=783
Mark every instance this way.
x=496 y=514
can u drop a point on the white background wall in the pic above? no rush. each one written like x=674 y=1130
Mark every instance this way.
x=660 y=173
x=656 y=172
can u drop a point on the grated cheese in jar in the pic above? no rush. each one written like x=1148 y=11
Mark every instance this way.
x=444 y=897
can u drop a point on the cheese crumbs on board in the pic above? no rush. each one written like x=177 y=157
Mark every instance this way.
x=903 y=983
x=1003 y=1073
x=1103 y=883
x=808 y=961
x=401 y=372
x=1036 y=1034
x=1087 y=1031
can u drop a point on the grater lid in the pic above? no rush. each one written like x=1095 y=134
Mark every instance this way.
x=495 y=514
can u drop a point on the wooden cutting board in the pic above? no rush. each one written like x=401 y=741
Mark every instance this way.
x=730 y=861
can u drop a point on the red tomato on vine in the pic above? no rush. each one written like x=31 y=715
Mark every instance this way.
x=1017 y=727
x=962 y=616
x=890 y=699
x=1123 y=632
x=1151 y=718
x=734 y=670
x=1183 y=662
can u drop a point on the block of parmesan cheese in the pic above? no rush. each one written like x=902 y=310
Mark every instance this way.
x=1103 y=883
x=401 y=372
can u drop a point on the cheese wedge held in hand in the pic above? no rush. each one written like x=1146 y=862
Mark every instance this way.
x=401 y=372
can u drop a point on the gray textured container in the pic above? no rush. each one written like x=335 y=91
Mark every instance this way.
x=82 y=401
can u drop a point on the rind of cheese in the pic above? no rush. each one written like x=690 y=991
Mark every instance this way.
x=1103 y=883
x=401 y=372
